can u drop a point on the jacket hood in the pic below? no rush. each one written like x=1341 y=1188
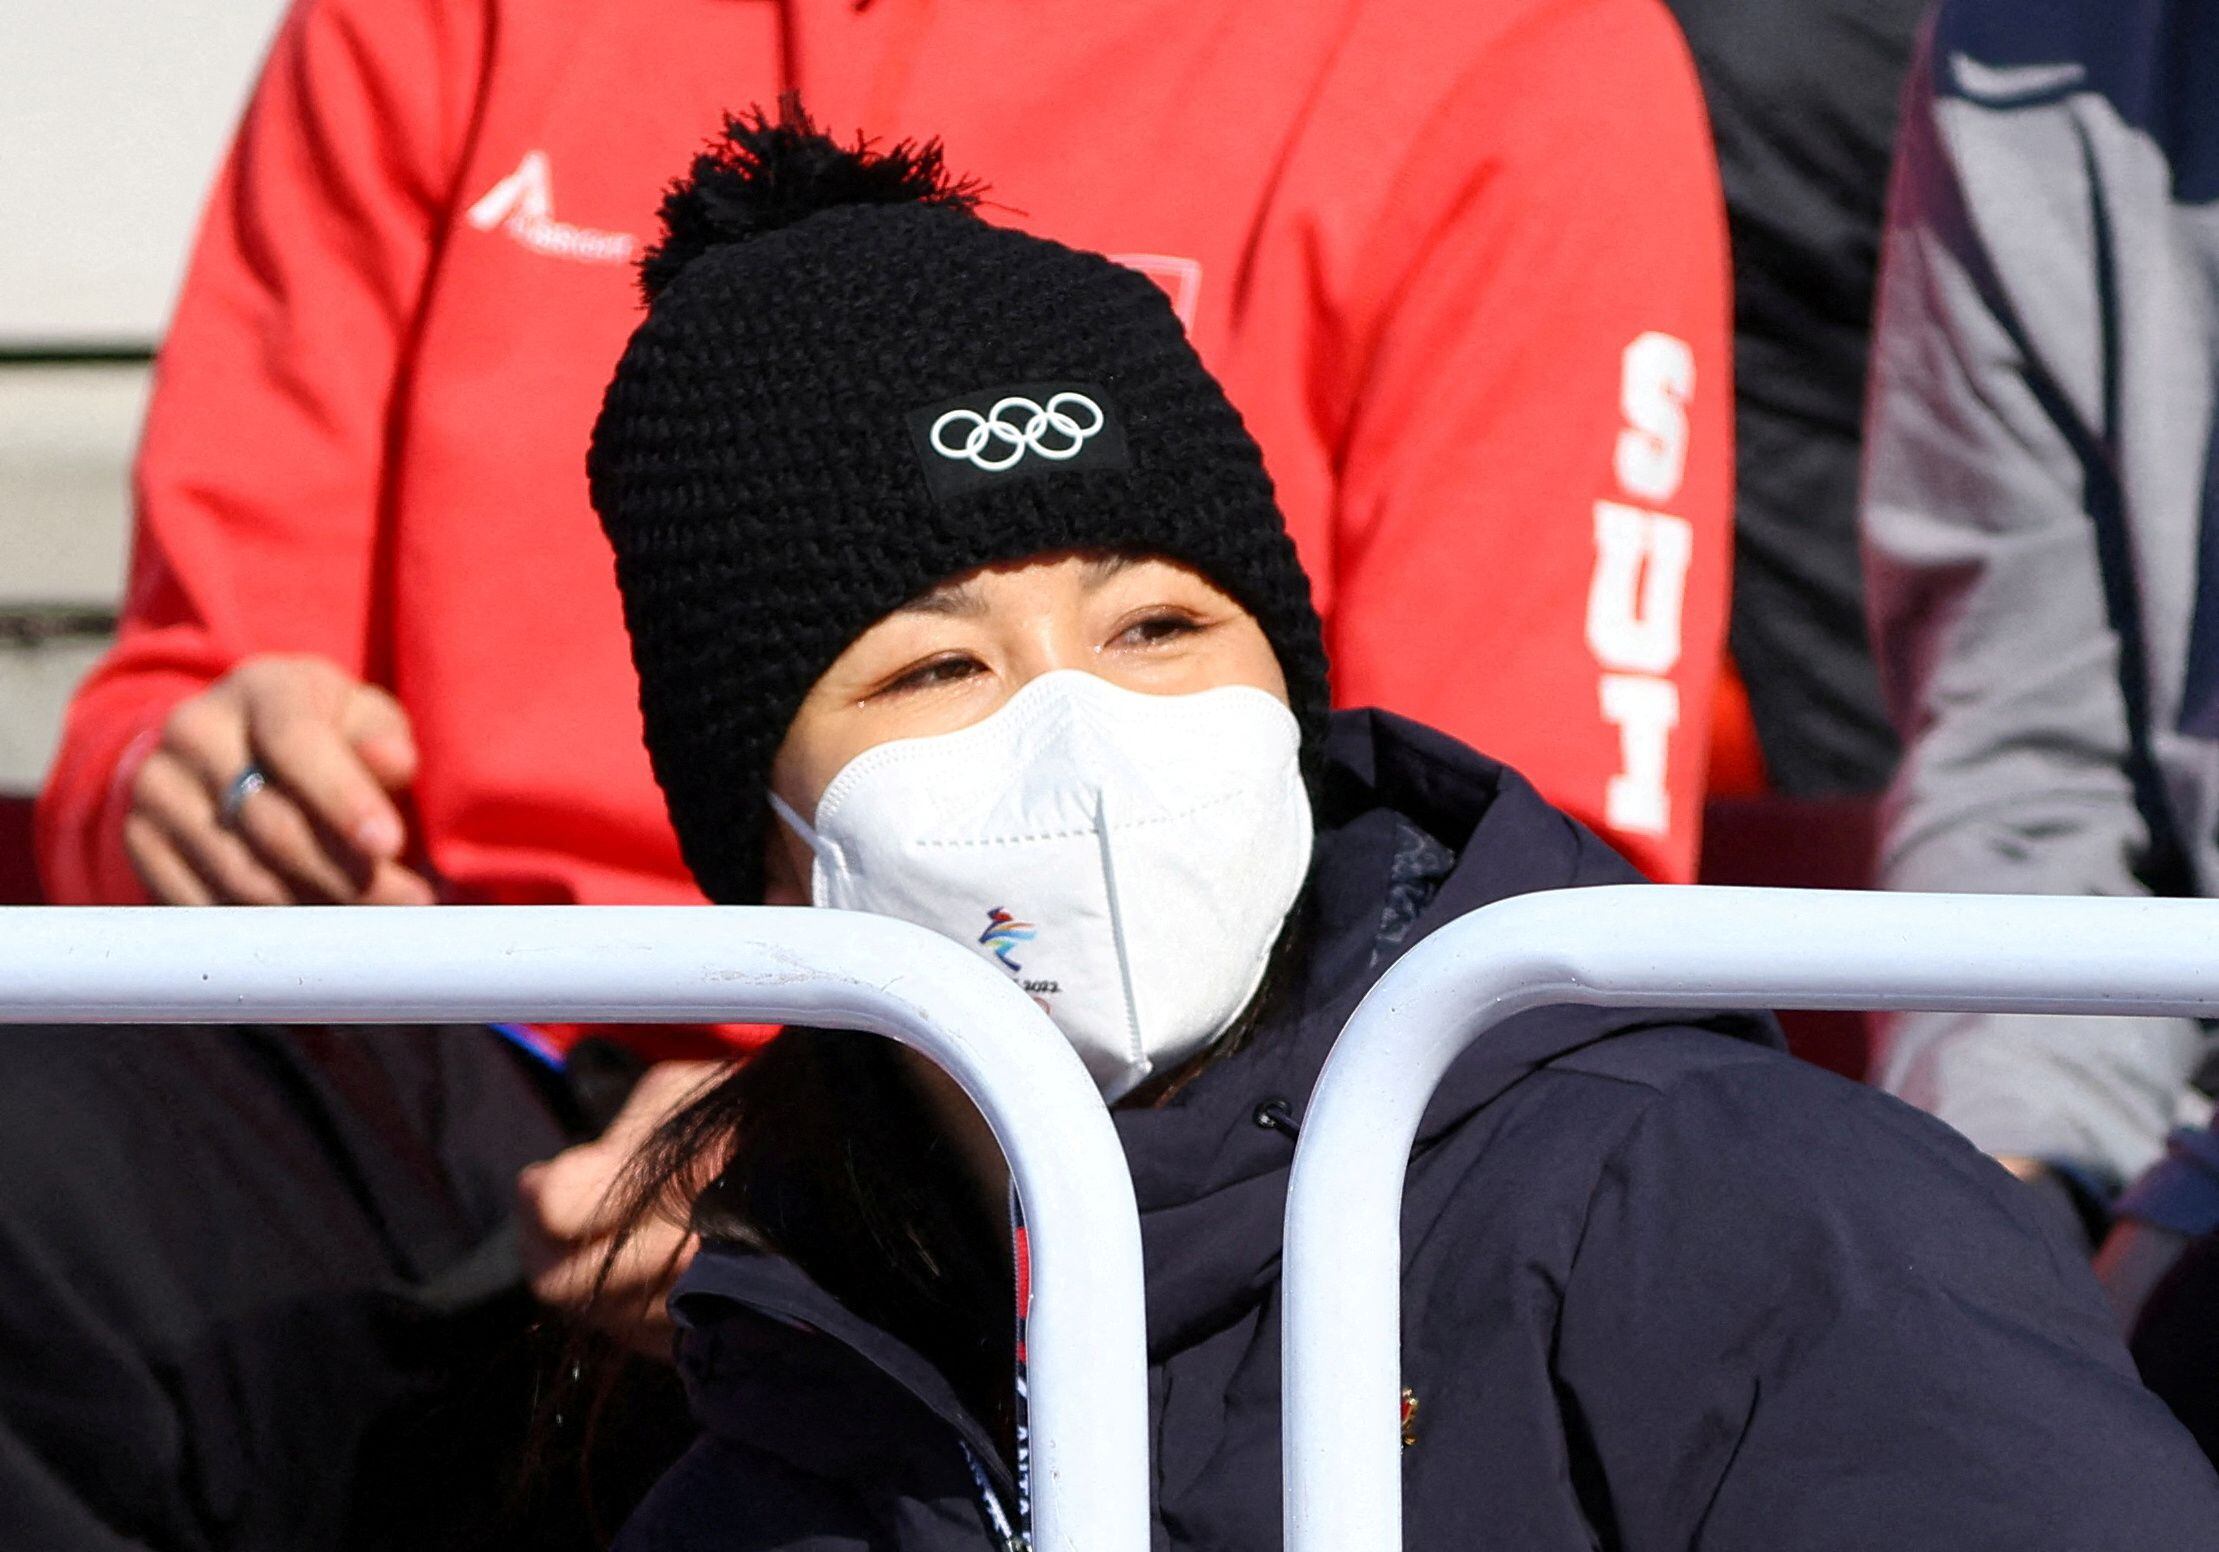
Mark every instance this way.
x=1414 y=831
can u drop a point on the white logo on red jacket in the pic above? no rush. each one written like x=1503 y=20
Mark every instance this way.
x=522 y=206
x=1181 y=279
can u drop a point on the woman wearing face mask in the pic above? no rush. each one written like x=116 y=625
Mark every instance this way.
x=957 y=592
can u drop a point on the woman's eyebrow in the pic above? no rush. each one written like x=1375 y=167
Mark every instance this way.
x=963 y=602
x=1100 y=568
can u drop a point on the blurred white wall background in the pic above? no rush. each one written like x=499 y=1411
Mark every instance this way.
x=113 y=115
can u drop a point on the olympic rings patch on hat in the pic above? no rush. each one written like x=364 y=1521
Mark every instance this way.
x=1025 y=429
x=1052 y=430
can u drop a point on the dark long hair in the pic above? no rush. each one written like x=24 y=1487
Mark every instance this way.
x=826 y=1152
x=821 y=1149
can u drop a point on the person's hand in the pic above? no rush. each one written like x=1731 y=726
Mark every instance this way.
x=569 y=1208
x=320 y=828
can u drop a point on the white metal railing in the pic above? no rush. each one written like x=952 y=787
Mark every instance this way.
x=1086 y=1341
x=1632 y=946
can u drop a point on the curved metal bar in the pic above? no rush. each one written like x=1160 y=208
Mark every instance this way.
x=1087 y=1339
x=1631 y=946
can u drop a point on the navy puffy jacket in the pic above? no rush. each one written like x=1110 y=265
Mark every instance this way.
x=1664 y=1286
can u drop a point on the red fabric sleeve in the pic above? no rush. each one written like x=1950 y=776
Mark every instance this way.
x=263 y=465
x=1522 y=479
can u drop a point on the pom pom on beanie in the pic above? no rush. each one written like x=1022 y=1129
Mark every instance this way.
x=769 y=173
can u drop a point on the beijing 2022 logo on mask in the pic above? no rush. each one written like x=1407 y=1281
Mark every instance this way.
x=1003 y=934
x=1017 y=431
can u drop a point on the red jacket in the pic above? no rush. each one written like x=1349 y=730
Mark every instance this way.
x=1459 y=262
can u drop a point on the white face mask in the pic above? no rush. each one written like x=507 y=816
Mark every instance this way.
x=1128 y=859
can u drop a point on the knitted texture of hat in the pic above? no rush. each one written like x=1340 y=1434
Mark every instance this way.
x=757 y=471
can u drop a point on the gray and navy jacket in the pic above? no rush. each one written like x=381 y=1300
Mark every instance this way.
x=1664 y=1285
x=2035 y=512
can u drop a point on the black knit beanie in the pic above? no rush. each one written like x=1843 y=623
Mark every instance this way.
x=849 y=388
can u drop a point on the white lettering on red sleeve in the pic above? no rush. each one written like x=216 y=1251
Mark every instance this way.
x=1633 y=604
x=1645 y=710
x=1657 y=381
x=1639 y=588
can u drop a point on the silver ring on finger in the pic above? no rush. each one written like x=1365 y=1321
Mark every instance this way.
x=243 y=786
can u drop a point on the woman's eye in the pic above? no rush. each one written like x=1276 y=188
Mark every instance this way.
x=1154 y=629
x=937 y=671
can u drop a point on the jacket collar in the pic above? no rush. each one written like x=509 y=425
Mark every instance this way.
x=848 y=1407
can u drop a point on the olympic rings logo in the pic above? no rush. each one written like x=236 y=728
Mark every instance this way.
x=995 y=441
